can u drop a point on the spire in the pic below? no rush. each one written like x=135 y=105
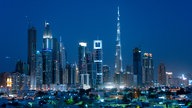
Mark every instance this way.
x=118 y=24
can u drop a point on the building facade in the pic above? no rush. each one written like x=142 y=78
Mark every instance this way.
x=162 y=74
x=137 y=67
x=32 y=35
x=47 y=56
x=39 y=70
x=98 y=61
x=148 y=70
x=82 y=64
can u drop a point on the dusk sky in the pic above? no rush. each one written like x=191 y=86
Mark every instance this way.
x=162 y=27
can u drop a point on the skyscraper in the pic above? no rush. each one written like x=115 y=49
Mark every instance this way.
x=162 y=74
x=31 y=55
x=98 y=61
x=62 y=61
x=91 y=69
x=39 y=71
x=47 y=56
x=137 y=67
x=71 y=74
x=118 y=57
x=83 y=75
x=55 y=57
x=148 y=69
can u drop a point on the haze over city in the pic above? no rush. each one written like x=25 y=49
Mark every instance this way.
x=162 y=28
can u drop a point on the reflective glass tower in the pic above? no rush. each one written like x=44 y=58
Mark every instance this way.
x=47 y=55
x=137 y=67
x=32 y=33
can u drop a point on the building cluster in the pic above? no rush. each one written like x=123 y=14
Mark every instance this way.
x=48 y=69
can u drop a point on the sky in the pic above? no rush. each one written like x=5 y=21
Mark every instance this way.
x=161 y=27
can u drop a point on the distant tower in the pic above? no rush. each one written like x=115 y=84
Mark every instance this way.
x=169 y=78
x=118 y=57
x=47 y=56
x=137 y=67
x=32 y=33
x=148 y=69
x=98 y=61
x=162 y=74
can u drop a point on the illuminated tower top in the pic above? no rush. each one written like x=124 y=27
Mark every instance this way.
x=47 y=32
x=47 y=38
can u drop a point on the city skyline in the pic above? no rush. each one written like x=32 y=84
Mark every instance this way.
x=150 y=26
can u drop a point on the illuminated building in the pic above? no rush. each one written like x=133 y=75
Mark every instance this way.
x=16 y=82
x=169 y=76
x=98 y=61
x=55 y=60
x=9 y=82
x=118 y=57
x=83 y=75
x=3 y=78
x=148 y=70
x=162 y=74
x=62 y=61
x=39 y=71
x=47 y=56
x=137 y=67
x=32 y=35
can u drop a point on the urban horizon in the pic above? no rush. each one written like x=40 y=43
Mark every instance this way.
x=172 y=64
x=113 y=53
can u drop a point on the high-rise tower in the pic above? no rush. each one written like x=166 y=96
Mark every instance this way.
x=148 y=69
x=39 y=76
x=162 y=74
x=84 y=76
x=137 y=67
x=55 y=63
x=98 y=61
x=31 y=55
x=118 y=57
x=47 y=56
x=62 y=60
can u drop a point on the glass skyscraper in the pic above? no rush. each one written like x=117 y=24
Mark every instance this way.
x=137 y=67
x=31 y=55
x=47 y=56
x=98 y=61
